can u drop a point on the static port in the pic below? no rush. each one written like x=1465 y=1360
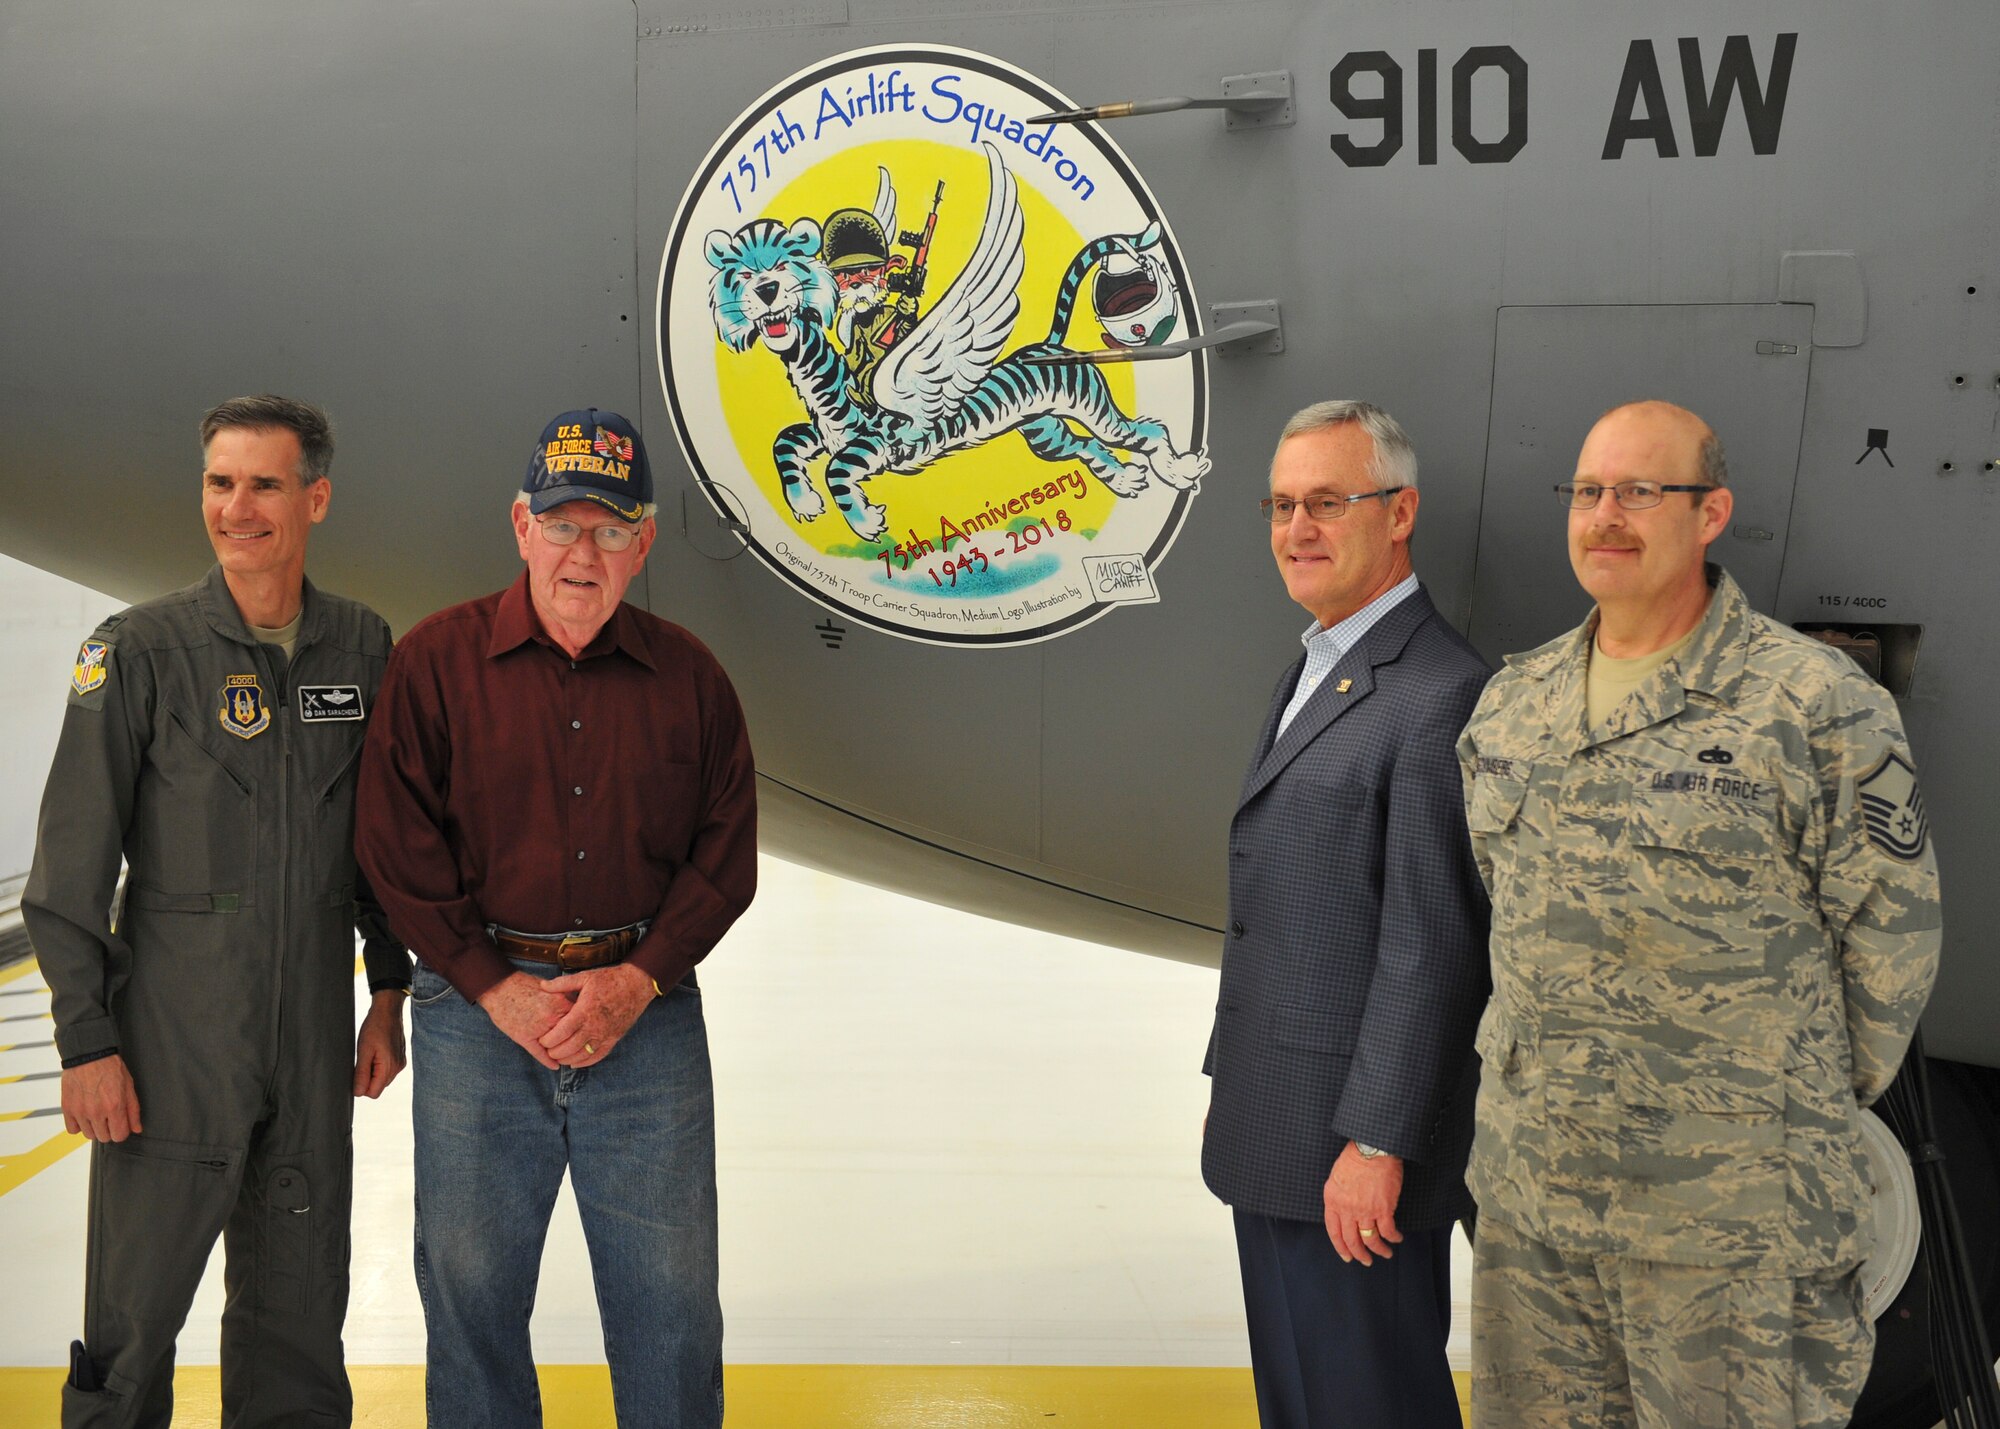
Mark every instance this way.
x=1958 y=379
x=1945 y=468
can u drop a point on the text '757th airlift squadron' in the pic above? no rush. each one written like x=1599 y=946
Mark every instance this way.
x=985 y=489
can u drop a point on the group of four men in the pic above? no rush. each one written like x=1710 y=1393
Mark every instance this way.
x=1709 y=946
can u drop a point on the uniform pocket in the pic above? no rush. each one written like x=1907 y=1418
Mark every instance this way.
x=1494 y=1041
x=1492 y=818
x=333 y=818
x=156 y=1208
x=1704 y=886
x=1701 y=1146
x=195 y=829
x=1495 y=804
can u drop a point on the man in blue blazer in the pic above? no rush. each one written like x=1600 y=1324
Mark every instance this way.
x=1354 y=971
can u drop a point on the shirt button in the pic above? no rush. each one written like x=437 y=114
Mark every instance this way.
x=576 y=724
x=1235 y=930
x=576 y=922
x=577 y=790
x=579 y=853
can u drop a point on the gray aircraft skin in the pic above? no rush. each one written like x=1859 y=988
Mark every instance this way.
x=447 y=222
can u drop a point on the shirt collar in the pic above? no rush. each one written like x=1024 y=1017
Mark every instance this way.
x=219 y=608
x=1340 y=637
x=515 y=623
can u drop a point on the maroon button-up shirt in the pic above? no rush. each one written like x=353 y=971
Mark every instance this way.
x=503 y=782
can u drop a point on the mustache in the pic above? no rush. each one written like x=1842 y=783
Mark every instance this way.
x=1609 y=540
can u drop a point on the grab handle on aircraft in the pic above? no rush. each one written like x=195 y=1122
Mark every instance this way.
x=1254 y=101
x=1239 y=329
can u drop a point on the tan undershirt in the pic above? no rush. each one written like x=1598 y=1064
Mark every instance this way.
x=288 y=636
x=1609 y=681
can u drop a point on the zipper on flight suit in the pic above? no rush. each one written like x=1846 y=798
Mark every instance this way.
x=274 y=659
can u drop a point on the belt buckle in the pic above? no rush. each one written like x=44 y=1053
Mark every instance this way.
x=562 y=948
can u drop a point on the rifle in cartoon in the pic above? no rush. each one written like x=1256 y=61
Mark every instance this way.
x=910 y=285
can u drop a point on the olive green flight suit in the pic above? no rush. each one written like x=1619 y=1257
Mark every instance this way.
x=225 y=780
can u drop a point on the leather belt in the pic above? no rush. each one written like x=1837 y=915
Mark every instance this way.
x=571 y=952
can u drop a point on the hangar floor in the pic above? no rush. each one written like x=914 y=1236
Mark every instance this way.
x=958 y=1166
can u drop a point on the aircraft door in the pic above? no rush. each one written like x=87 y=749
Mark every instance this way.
x=1742 y=366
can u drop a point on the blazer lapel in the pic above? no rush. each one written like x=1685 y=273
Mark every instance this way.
x=1346 y=685
x=1281 y=697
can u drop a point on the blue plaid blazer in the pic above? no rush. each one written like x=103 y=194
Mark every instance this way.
x=1354 y=963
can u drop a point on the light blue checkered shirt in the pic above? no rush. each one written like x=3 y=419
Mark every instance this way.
x=1325 y=645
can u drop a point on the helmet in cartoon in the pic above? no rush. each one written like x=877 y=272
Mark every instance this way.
x=853 y=240
x=1137 y=302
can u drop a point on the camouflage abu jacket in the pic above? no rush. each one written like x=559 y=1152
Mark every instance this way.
x=1715 y=922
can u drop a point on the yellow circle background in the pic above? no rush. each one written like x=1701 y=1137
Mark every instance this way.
x=757 y=397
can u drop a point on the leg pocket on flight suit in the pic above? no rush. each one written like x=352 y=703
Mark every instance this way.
x=285 y=1270
x=306 y=1225
x=98 y=1408
x=157 y=1209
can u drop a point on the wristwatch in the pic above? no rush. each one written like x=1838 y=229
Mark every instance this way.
x=1369 y=1153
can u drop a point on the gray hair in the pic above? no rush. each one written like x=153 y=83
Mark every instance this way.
x=1395 y=460
x=647 y=510
x=1714 y=465
x=268 y=413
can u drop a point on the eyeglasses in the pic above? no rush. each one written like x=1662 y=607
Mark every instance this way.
x=1321 y=506
x=609 y=537
x=1632 y=495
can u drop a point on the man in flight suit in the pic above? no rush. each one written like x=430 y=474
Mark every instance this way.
x=207 y=1034
x=1715 y=922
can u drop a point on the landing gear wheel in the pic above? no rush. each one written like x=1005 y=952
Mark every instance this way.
x=1965 y=1104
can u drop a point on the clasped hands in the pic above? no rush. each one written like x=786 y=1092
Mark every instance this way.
x=569 y=1021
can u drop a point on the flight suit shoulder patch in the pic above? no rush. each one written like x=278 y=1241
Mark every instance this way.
x=91 y=673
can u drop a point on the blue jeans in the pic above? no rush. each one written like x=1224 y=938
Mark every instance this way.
x=494 y=1130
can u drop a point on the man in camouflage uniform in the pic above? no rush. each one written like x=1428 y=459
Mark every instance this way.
x=1715 y=922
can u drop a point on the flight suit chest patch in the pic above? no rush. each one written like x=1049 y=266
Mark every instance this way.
x=245 y=712
x=318 y=703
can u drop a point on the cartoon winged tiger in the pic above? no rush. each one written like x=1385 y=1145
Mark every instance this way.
x=945 y=386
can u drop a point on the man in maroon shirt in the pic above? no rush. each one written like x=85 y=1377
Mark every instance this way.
x=557 y=810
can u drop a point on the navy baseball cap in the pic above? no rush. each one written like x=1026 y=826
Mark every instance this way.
x=590 y=455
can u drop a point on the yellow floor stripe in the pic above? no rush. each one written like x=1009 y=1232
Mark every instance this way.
x=16 y=1169
x=786 y=1397
x=20 y=969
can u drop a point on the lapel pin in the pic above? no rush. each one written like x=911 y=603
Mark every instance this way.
x=1343 y=687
